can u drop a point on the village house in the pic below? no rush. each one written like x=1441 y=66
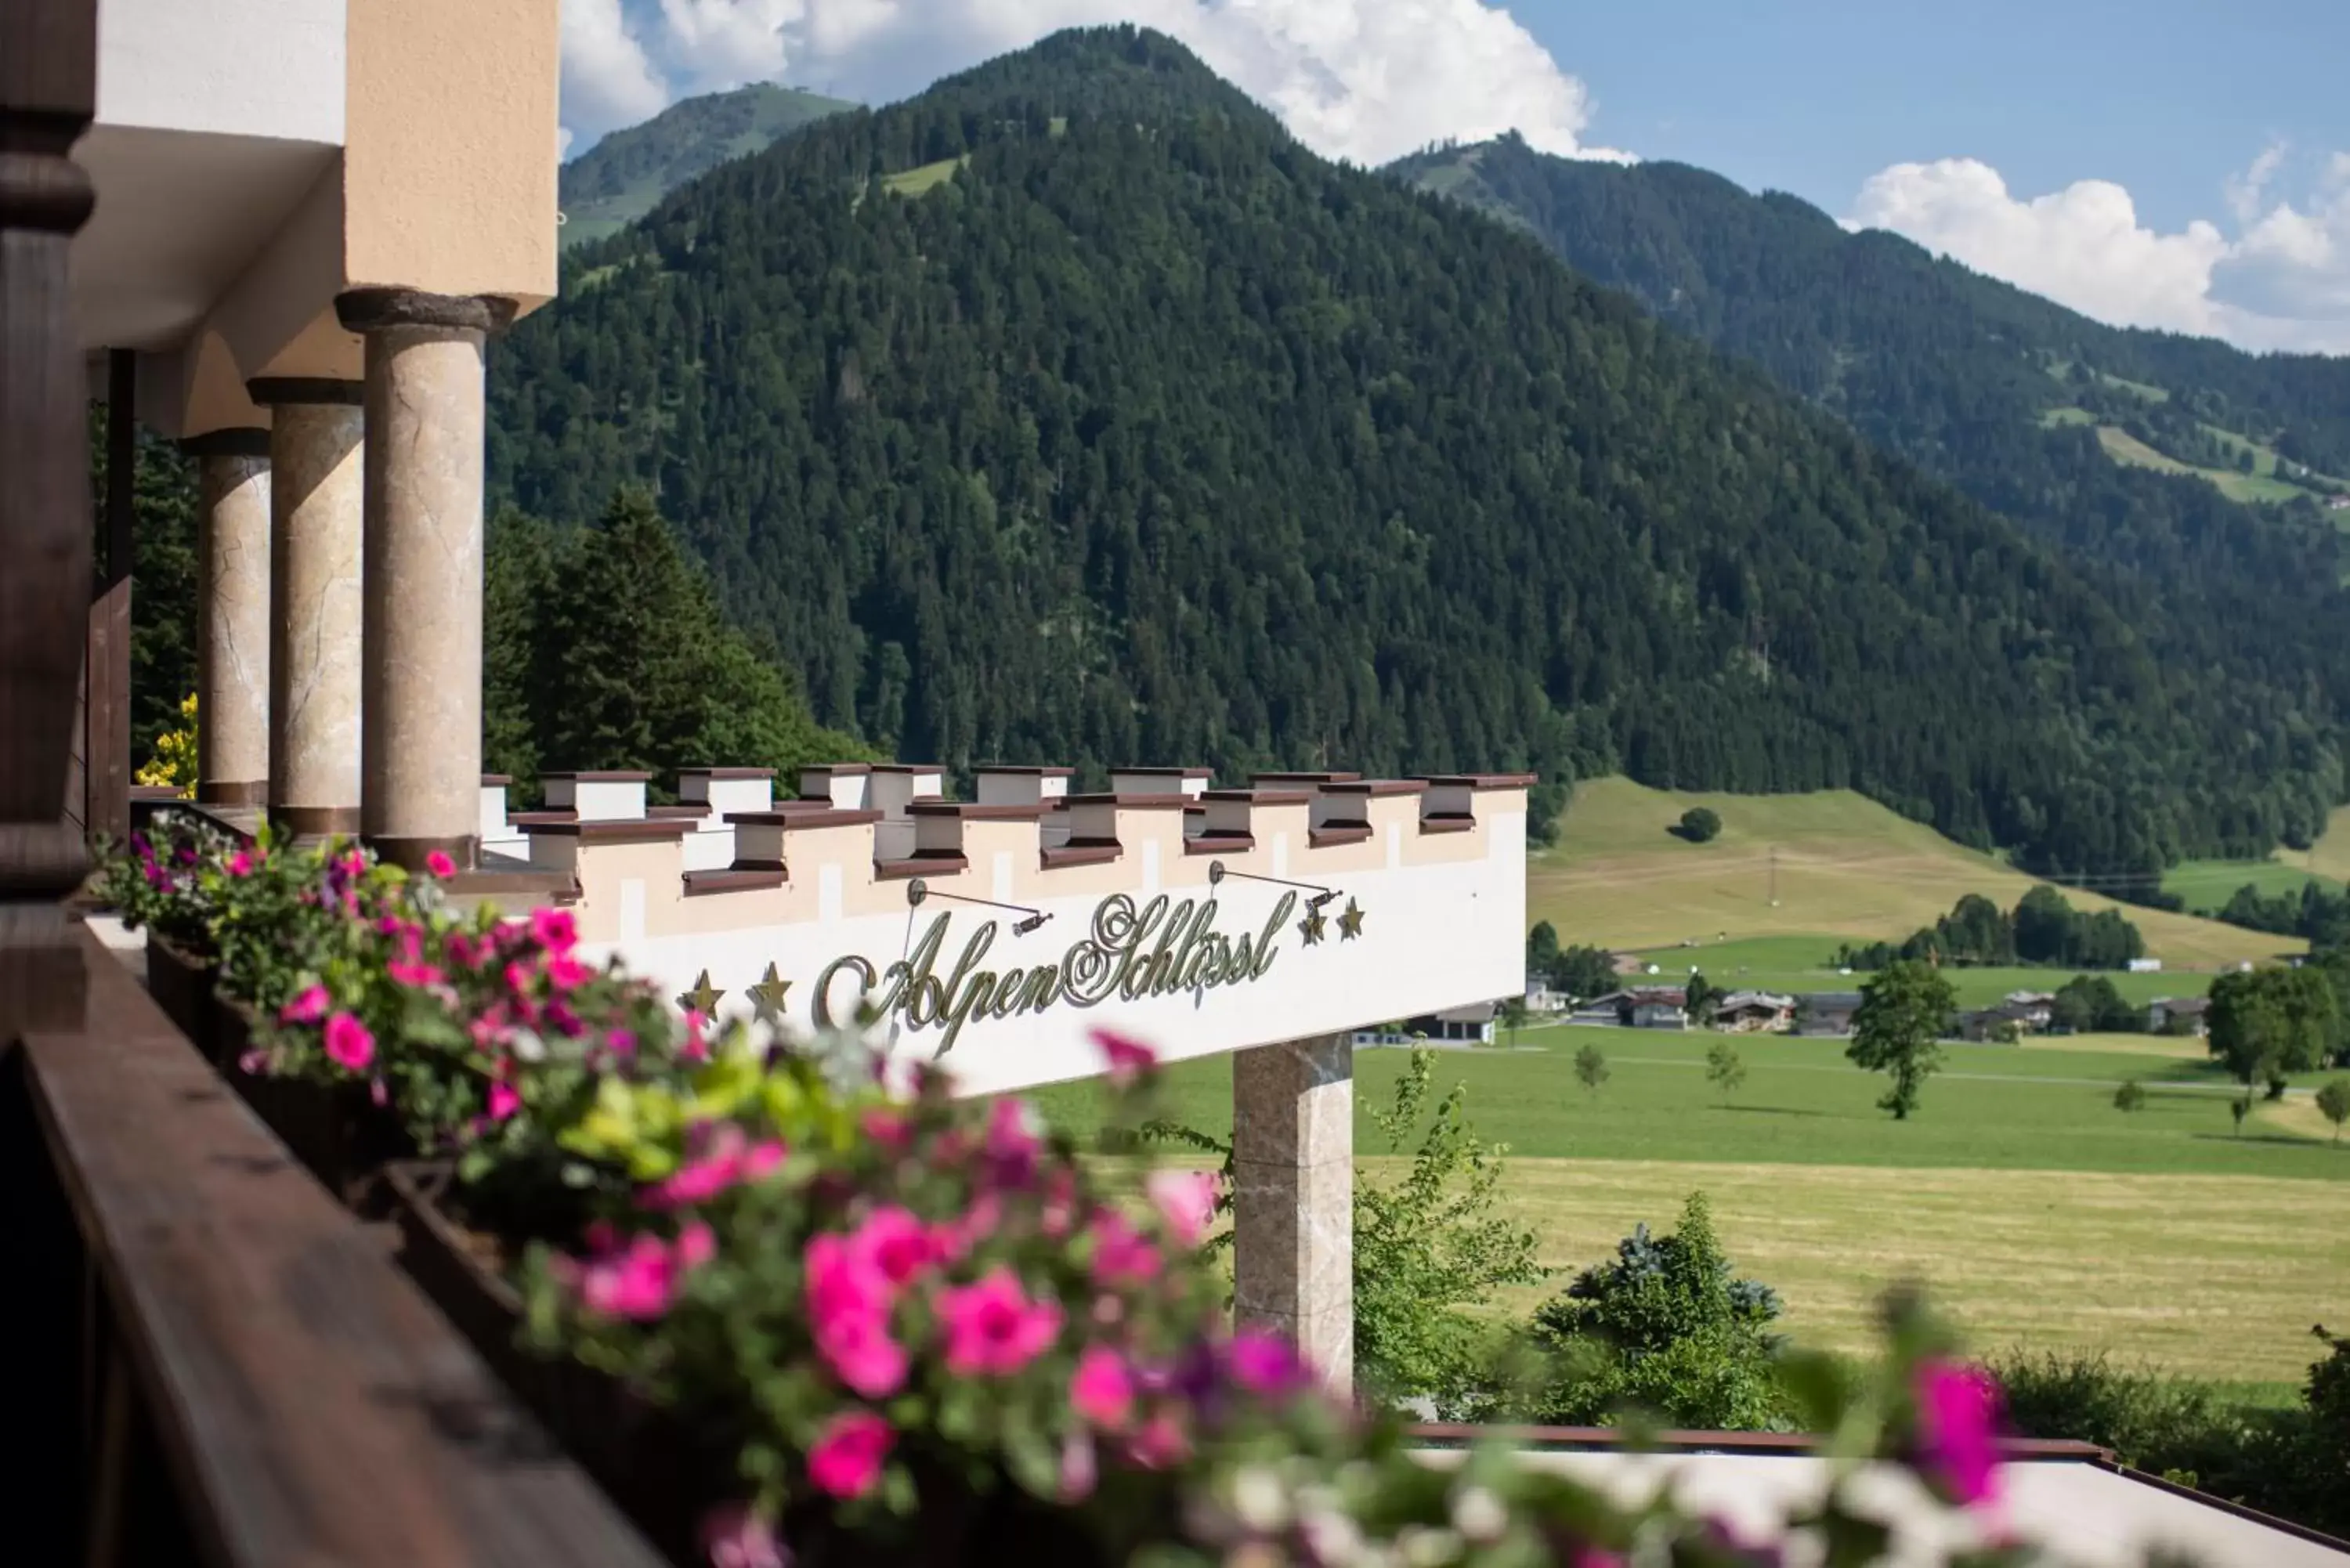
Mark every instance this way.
x=2188 y=1014
x=1755 y=1013
x=1640 y=1007
x=1827 y=1012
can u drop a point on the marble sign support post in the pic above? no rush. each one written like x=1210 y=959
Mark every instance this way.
x=232 y=617
x=1293 y=1198
x=317 y=441
x=425 y=414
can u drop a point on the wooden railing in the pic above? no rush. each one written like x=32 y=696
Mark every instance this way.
x=213 y=1362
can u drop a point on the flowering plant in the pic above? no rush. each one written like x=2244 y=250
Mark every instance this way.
x=157 y=882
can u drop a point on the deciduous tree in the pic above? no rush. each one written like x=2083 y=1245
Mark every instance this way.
x=1898 y=1029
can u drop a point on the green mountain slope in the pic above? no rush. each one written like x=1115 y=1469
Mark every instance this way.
x=1142 y=433
x=618 y=180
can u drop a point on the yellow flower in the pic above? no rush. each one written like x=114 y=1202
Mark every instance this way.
x=174 y=764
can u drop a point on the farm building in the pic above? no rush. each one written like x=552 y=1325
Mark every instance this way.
x=2166 y=1014
x=1755 y=1013
x=1827 y=1012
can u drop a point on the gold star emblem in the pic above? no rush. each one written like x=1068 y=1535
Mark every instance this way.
x=1350 y=924
x=768 y=997
x=702 y=998
x=1310 y=927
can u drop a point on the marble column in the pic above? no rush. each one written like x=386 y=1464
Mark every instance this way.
x=423 y=745
x=1293 y=1198
x=232 y=617
x=317 y=448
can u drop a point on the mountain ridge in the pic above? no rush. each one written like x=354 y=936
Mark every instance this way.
x=1142 y=433
x=626 y=174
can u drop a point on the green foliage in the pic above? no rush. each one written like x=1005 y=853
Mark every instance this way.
x=605 y=647
x=2333 y=1104
x=2268 y=1023
x=1429 y=1249
x=2318 y=912
x=1666 y=1329
x=1724 y=1068
x=1014 y=468
x=2043 y=929
x=1953 y=371
x=2088 y=1004
x=1580 y=972
x=175 y=762
x=1898 y=1028
x=2130 y=1097
x=1591 y=1068
x=2289 y=1463
x=163 y=582
x=1699 y=825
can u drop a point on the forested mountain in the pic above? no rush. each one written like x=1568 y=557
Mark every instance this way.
x=1143 y=434
x=2065 y=424
x=619 y=179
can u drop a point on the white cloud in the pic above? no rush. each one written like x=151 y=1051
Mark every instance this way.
x=1365 y=80
x=2281 y=281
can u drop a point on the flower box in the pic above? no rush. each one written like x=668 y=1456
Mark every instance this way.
x=183 y=984
x=336 y=1130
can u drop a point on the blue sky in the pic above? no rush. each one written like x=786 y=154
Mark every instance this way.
x=2156 y=164
x=2166 y=98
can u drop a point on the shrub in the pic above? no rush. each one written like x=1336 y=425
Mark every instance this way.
x=1699 y=825
x=2130 y=1097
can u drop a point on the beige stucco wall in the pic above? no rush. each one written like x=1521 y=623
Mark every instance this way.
x=449 y=160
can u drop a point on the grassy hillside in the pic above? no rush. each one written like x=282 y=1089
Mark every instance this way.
x=1847 y=868
x=622 y=177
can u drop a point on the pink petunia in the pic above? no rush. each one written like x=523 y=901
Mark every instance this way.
x=1129 y=1059
x=956 y=1238
x=553 y=929
x=241 y=864
x=890 y=1130
x=1957 y=1420
x=1013 y=1145
x=565 y=972
x=1122 y=1254
x=716 y=1167
x=1161 y=1442
x=1102 y=1389
x=848 y=1311
x=894 y=1245
x=308 y=1008
x=503 y=1100
x=846 y=1460
x=992 y=1329
x=638 y=1282
x=350 y=1045
x=415 y=974
x=1186 y=1200
x=1265 y=1363
x=440 y=864
x=737 y=1537
x=1079 y=1467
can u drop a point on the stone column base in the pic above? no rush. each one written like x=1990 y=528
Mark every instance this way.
x=464 y=850
x=221 y=792
x=1294 y=1199
x=317 y=821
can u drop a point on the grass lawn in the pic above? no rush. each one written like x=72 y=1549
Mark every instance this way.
x=2037 y=1213
x=2209 y=884
x=2330 y=856
x=1845 y=866
x=928 y=177
x=1798 y=964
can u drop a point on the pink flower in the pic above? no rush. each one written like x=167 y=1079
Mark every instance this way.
x=1958 y=1417
x=705 y=1176
x=553 y=929
x=565 y=972
x=254 y=1063
x=696 y=1245
x=308 y=1008
x=241 y=864
x=894 y=1245
x=956 y=1238
x=887 y=1128
x=1265 y=1363
x=847 y=1459
x=504 y=1102
x=736 y=1537
x=1012 y=1145
x=1129 y=1058
x=1102 y=1390
x=1186 y=1200
x=1160 y=1443
x=418 y=974
x=621 y=1042
x=638 y=1282
x=1078 y=1467
x=1122 y=1254
x=695 y=1048
x=349 y=1043
x=993 y=1328
x=763 y=1159
x=848 y=1307
x=440 y=864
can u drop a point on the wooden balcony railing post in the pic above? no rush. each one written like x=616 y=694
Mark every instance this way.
x=48 y=72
